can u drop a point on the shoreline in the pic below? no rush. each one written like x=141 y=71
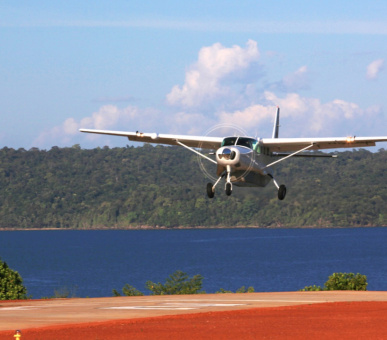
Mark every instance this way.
x=191 y=228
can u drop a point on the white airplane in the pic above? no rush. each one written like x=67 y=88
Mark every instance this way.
x=246 y=161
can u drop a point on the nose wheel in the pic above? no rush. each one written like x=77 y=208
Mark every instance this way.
x=227 y=188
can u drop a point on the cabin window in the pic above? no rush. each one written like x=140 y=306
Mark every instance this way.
x=229 y=141
x=241 y=141
x=247 y=142
x=264 y=150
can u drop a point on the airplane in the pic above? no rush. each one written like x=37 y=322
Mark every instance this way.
x=245 y=161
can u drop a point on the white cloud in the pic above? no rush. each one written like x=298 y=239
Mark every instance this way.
x=218 y=91
x=253 y=116
x=374 y=68
x=309 y=116
x=107 y=117
x=294 y=81
x=206 y=79
x=70 y=126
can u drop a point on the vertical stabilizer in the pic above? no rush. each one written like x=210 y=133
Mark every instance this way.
x=276 y=124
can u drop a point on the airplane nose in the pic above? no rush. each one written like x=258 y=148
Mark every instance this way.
x=227 y=154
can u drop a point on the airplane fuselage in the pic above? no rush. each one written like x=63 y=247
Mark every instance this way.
x=243 y=157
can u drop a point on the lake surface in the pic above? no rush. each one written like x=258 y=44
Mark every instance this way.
x=92 y=263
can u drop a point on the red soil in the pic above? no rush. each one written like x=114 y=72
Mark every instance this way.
x=339 y=320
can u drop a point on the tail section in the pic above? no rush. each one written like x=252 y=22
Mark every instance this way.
x=276 y=124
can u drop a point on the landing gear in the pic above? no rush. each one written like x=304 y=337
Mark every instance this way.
x=210 y=191
x=281 y=189
x=228 y=189
x=281 y=192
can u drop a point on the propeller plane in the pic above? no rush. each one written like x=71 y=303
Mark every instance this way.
x=245 y=161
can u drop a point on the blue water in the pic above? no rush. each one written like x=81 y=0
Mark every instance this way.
x=92 y=263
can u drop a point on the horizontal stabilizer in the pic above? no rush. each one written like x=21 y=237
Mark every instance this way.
x=280 y=154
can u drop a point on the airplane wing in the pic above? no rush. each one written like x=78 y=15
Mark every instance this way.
x=204 y=142
x=294 y=144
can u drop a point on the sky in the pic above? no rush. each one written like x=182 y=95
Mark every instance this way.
x=190 y=68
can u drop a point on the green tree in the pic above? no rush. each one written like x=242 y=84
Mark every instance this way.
x=243 y=289
x=341 y=281
x=128 y=290
x=177 y=283
x=346 y=281
x=313 y=288
x=103 y=187
x=11 y=284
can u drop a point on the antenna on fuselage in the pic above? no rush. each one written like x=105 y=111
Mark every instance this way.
x=276 y=124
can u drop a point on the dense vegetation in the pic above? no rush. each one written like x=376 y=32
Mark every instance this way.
x=164 y=187
x=180 y=283
x=11 y=284
x=342 y=281
x=177 y=283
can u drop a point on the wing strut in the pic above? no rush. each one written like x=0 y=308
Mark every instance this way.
x=292 y=154
x=197 y=152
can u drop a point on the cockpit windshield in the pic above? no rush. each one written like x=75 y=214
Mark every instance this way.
x=229 y=141
x=241 y=141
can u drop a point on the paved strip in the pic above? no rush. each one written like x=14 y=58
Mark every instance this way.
x=178 y=306
x=39 y=313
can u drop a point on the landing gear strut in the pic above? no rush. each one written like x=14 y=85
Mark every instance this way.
x=227 y=188
x=281 y=189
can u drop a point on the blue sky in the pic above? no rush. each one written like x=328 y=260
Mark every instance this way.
x=176 y=67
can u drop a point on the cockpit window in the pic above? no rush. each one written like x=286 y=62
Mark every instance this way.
x=242 y=141
x=247 y=142
x=229 y=141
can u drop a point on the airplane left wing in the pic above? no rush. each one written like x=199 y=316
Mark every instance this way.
x=293 y=144
x=204 y=142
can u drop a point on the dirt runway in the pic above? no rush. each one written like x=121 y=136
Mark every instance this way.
x=296 y=315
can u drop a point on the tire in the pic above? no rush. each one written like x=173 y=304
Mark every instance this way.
x=281 y=192
x=210 y=193
x=228 y=189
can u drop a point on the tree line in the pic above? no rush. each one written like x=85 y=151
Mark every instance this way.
x=159 y=186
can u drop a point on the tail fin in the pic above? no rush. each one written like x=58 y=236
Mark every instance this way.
x=276 y=124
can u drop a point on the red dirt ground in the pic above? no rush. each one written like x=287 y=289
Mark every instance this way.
x=338 y=320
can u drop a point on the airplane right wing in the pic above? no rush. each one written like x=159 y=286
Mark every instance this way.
x=293 y=144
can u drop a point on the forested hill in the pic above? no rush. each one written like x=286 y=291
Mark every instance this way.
x=164 y=187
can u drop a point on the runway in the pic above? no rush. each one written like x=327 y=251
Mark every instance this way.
x=40 y=313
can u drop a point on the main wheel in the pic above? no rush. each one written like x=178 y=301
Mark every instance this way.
x=210 y=192
x=228 y=189
x=281 y=192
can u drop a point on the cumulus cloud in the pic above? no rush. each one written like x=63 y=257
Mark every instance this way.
x=206 y=79
x=309 y=116
x=374 y=68
x=254 y=116
x=295 y=81
x=218 y=91
x=107 y=117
